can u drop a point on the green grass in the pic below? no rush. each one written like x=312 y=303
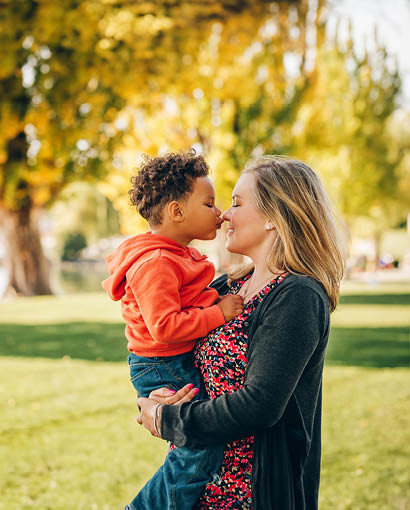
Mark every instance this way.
x=370 y=328
x=68 y=437
x=366 y=439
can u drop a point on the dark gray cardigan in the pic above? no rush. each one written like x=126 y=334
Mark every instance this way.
x=280 y=403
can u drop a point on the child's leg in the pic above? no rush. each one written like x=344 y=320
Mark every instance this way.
x=148 y=374
x=179 y=482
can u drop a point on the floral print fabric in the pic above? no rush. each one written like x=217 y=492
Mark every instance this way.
x=221 y=357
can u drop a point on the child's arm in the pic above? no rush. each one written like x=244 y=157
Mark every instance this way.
x=155 y=286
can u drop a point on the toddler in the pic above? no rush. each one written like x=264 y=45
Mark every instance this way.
x=167 y=305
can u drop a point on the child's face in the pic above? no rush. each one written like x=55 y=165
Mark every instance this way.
x=202 y=217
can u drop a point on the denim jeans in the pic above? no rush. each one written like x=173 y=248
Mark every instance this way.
x=179 y=482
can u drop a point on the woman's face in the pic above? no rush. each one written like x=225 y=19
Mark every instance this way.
x=247 y=232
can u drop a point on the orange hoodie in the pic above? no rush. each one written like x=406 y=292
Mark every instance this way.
x=165 y=301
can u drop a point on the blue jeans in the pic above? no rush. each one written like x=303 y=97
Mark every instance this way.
x=179 y=482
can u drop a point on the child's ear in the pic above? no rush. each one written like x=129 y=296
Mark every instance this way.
x=175 y=211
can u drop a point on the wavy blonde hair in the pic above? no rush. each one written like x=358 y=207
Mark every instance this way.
x=311 y=238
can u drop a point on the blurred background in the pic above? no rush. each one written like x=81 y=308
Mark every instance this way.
x=89 y=86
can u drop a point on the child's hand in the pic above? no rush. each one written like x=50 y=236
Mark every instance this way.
x=231 y=306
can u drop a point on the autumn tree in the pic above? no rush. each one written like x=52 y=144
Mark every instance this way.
x=87 y=86
x=67 y=69
x=236 y=97
x=58 y=105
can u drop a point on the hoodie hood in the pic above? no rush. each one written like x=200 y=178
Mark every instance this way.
x=130 y=251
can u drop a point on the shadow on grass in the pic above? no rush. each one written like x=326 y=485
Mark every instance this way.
x=371 y=347
x=81 y=340
x=375 y=299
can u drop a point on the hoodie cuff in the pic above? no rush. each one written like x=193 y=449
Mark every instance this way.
x=214 y=317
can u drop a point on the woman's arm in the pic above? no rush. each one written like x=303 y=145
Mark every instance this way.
x=151 y=408
x=280 y=349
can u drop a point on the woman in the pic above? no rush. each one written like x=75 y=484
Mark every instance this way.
x=263 y=370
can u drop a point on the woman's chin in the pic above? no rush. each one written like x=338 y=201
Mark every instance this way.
x=230 y=246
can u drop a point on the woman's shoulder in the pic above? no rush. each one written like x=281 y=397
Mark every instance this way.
x=297 y=288
x=296 y=296
x=301 y=281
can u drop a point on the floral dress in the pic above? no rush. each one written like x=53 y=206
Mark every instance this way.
x=221 y=357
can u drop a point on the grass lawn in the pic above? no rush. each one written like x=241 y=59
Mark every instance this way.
x=68 y=438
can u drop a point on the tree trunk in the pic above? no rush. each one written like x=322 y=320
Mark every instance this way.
x=377 y=248
x=28 y=268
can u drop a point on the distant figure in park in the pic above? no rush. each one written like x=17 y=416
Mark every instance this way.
x=263 y=369
x=167 y=305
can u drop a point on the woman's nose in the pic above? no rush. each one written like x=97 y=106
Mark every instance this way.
x=217 y=211
x=226 y=216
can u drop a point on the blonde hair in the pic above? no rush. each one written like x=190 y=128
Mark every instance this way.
x=309 y=242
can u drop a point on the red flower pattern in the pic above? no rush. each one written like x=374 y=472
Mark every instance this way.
x=221 y=357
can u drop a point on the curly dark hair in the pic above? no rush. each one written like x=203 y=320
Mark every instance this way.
x=163 y=179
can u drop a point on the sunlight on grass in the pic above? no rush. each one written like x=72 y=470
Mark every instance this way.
x=68 y=436
x=90 y=307
x=366 y=439
x=371 y=315
x=69 y=439
x=372 y=287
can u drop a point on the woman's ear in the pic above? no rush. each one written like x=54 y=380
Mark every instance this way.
x=175 y=211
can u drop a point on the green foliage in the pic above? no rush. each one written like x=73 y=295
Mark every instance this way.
x=58 y=97
x=74 y=243
x=350 y=132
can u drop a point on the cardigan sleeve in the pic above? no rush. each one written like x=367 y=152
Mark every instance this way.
x=282 y=345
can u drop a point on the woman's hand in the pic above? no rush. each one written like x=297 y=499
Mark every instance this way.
x=167 y=396
x=151 y=408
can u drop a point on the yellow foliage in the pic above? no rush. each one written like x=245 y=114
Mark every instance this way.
x=41 y=195
x=182 y=79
